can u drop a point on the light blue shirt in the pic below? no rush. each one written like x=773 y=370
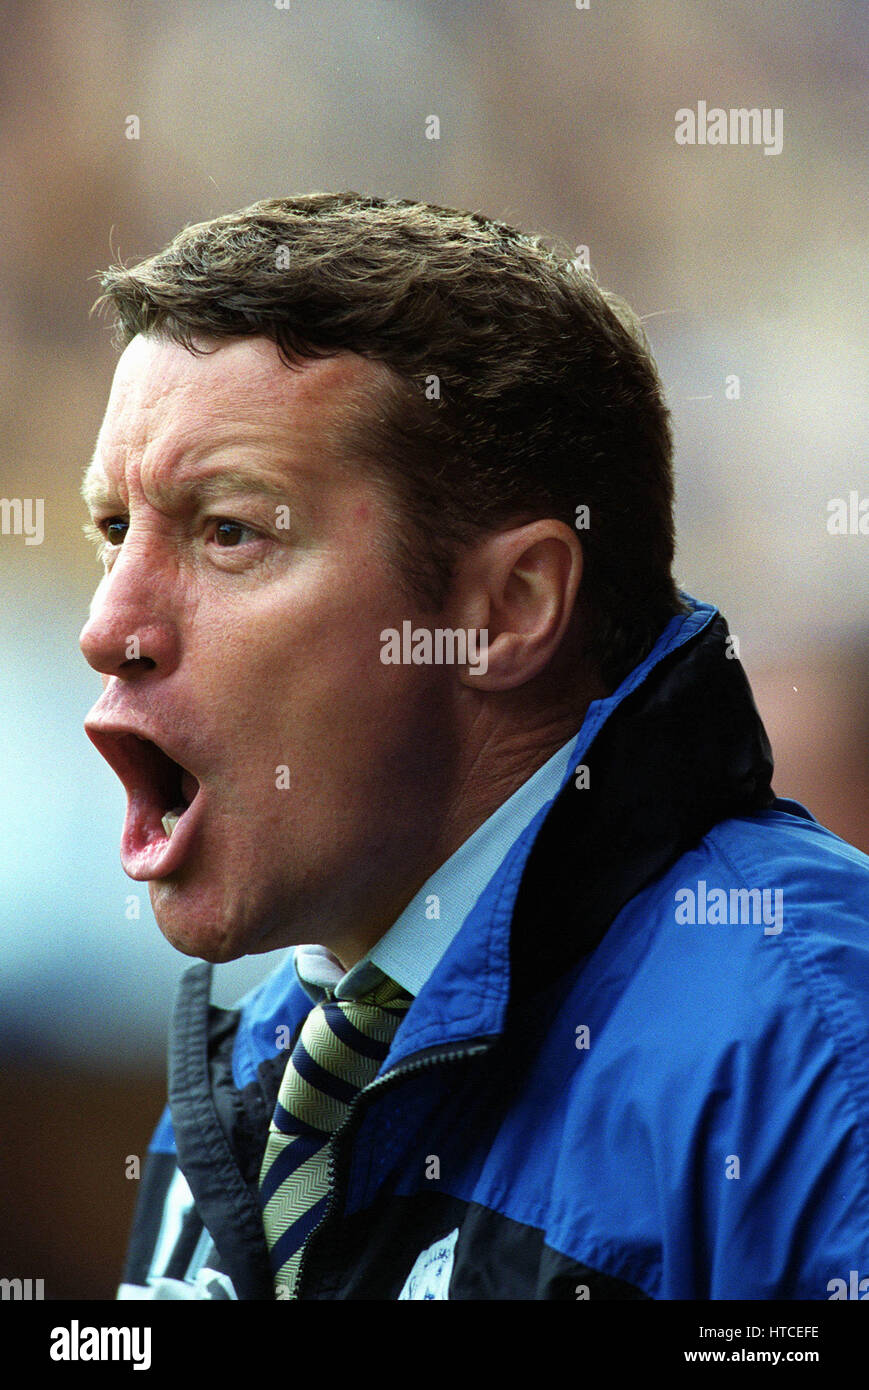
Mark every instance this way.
x=409 y=951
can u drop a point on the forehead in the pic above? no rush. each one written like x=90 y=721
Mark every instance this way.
x=168 y=404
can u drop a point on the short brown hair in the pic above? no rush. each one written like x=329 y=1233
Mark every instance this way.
x=518 y=387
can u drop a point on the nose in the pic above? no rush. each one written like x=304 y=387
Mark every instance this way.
x=130 y=630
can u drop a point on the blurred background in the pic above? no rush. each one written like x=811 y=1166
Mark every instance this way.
x=744 y=265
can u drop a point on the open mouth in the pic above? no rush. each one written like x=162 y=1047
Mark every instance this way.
x=160 y=796
x=162 y=788
x=169 y=785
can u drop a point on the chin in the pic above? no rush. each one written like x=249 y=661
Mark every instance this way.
x=199 y=930
x=209 y=919
x=201 y=946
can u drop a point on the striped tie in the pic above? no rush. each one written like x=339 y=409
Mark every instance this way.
x=340 y=1050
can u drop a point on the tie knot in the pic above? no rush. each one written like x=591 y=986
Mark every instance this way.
x=387 y=995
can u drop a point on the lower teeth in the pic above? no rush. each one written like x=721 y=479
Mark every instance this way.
x=171 y=819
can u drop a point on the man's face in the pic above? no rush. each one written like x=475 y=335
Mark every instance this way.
x=237 y=628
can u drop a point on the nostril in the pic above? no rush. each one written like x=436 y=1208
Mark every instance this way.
x=127 y=645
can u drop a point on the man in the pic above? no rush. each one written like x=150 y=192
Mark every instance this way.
x=394 y=664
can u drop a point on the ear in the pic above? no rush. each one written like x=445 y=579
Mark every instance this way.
x=518 y=589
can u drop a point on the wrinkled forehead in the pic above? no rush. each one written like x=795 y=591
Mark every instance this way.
x=166 y=399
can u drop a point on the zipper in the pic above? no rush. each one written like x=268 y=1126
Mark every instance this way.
x=388 y=1078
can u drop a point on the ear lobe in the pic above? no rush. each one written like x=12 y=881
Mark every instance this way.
x=499 y=666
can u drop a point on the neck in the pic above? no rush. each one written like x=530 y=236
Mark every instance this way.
x=495 y=759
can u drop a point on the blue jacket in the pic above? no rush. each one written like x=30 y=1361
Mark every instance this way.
x=641 y=1069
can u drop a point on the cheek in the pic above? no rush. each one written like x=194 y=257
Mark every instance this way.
x=301 y=671
x=329 y=649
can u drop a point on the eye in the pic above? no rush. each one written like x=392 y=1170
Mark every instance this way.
x=229 y=534
x=114 y=529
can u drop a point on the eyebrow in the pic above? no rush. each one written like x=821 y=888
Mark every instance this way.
x=98 y=492
x=95 y=489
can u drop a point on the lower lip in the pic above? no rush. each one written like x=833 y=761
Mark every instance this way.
x=147 y=852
